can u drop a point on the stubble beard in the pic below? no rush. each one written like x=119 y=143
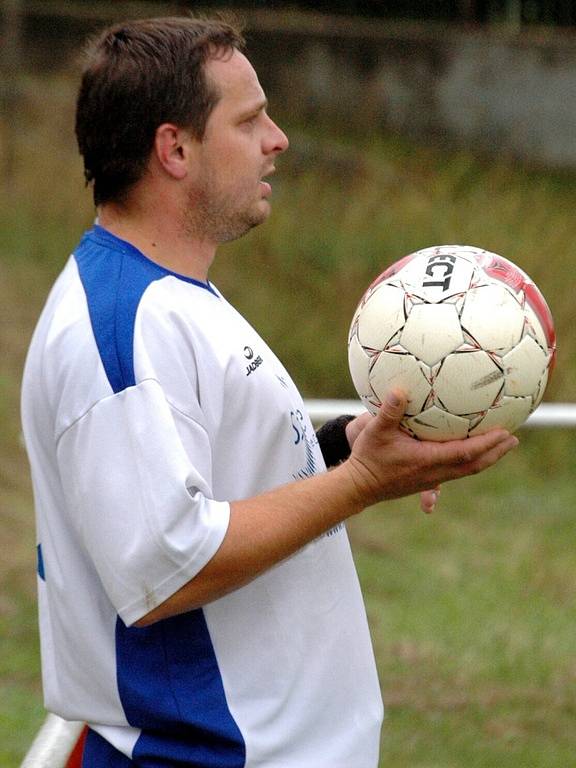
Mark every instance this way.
x=220 y=219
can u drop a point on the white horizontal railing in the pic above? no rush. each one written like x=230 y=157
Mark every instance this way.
x=53 y=744
x=546 y=415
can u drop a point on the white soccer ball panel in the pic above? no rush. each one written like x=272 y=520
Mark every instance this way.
x=431 y=332
x=493 y=317
x=468 y=382
x=436 y=424
x=438 y=273
x=359 y=365
x=371 y=403
x=381 y=317
x=391 y=370
x=537 y=398
x=509 y=413
x=534 y=327
x=525 y=366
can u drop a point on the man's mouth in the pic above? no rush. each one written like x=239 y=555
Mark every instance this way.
x=266 y=188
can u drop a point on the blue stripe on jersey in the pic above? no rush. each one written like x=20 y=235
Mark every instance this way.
x=40 y=559
x=114 y=275
x=170 y=687
x=99 y=753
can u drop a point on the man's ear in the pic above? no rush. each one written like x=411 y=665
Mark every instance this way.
x=171 y=148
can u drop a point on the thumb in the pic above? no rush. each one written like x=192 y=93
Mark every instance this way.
x=392 y=409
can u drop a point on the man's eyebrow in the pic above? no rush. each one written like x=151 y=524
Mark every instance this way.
x=254 y=109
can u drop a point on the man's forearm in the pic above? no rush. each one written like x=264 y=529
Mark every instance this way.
x=263 y=531
x=385 y=463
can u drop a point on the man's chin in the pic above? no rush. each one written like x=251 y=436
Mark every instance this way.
x=258 y=215
x=244 y=226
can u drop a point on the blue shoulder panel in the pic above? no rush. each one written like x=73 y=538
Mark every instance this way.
x=115 y=275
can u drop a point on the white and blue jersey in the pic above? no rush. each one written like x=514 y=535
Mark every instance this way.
x=148 y=404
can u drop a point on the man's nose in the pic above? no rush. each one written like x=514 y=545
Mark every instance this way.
x=277 y=141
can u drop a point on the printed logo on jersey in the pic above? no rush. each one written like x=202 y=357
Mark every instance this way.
x=253 y=361
x=282 y=381
x=300 y=433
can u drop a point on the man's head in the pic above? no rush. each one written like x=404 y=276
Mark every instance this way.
x=138 y=76
x=223 y=184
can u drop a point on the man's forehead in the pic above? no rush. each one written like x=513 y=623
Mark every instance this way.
x=234 y=78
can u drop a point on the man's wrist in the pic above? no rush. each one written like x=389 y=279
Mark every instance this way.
x=354 y=491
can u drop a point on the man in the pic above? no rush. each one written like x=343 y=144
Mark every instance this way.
x=198 y=601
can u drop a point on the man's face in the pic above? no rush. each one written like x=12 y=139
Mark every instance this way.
x=227 y=195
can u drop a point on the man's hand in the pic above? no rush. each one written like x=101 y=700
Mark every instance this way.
x=428 y=499
x=387 y=463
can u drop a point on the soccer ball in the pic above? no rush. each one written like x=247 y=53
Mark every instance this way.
x=464 y=332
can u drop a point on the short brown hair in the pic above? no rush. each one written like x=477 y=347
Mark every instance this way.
x=138 y=75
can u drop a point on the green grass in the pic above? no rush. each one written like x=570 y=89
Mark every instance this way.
x=472 y=613
x=472 y=610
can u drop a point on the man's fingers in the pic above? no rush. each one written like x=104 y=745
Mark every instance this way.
x=497 y=452
x=392 y=409
x=478 y=453
x=386 y=463
x=428 y=499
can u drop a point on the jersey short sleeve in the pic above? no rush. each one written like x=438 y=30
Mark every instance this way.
x=142 y=504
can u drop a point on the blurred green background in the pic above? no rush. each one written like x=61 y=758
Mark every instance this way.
x=472 y=610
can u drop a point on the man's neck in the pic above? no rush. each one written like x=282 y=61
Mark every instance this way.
x=169 y=246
